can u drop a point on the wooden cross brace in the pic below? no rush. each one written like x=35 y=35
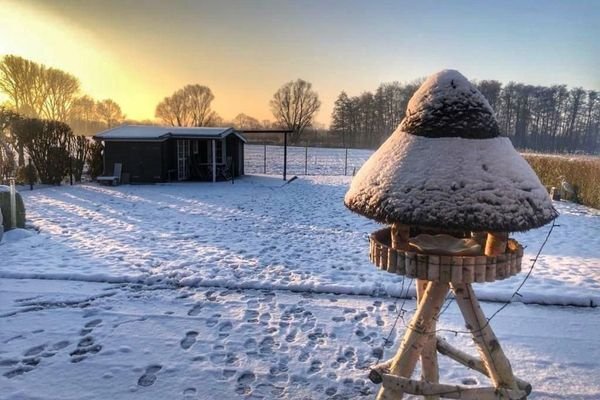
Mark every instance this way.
x=421 y=342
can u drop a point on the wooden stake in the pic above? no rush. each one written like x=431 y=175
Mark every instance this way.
x=496 y=363
x=415 y=336
x=429 y=360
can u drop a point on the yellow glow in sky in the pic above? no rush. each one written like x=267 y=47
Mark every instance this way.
x=54 y=41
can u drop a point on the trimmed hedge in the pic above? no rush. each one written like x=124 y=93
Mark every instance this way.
x=5 y=209
x=583 y=173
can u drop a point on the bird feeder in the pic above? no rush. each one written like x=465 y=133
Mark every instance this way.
x=450 y=190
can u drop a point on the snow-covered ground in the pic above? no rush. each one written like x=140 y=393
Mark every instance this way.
x=81 y=340
x=259 y=233
x=255 y=290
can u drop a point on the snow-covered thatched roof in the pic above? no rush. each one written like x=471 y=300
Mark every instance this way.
x=160 y=133
x=446 y=166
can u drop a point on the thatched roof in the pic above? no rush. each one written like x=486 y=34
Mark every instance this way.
x=445 y=166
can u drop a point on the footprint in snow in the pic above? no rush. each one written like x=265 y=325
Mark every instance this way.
x=149 y=376
x=188 y=340
x=195 y=310
x=60 y=345
x=189 y=393
x=225 y=327
x=213 y=320
x=34 y=350
x=244 y=382
x=18 y=371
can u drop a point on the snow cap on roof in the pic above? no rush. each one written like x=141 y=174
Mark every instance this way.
x=455 y=178
x=448 y=105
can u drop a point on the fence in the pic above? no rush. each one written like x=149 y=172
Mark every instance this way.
x=268 y=159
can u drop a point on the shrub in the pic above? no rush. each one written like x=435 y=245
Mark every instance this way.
x=95 y=160
x=26 y=174
x=46 y=142
x=583 y=173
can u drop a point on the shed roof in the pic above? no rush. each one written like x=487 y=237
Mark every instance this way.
x=446 y=167
x=160 y=133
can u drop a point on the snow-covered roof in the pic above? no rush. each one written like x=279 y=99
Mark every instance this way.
x=160 y=133
x=457 y=179
x=448 y=105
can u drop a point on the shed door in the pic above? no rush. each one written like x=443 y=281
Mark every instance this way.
x=183 y=156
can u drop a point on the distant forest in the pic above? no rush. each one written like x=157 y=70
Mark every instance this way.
x=551 y=119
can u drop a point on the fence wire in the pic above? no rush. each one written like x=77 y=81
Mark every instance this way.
x=268 y=159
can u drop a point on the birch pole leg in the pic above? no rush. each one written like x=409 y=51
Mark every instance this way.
x=429 y=360
x=496 y=363
x=404 y=362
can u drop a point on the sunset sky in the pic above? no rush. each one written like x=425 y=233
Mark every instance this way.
x=139 y=52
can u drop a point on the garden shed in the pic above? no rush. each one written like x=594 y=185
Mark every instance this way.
x=162 y=154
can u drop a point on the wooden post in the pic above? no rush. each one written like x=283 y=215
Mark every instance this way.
x=214 y=160
x=496 y=363
x=415 y=336
x=429 y=360
x=265 y=159
x=496 y=243
x=400 y=235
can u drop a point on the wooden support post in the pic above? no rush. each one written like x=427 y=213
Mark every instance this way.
x=415 y=336
x=429 y=361
x=400 y=236
x=496 y=363
x=469 y=361
x=496 y=243
x=214 y=160
x=401 y=384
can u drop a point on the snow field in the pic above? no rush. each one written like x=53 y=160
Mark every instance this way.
x=256 y=290
x=260 y=234
x=128 y=341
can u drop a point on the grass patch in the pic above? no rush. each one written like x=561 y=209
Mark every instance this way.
x=583 y=173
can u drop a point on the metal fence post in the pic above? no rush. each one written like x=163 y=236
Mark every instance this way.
x=285 y=156
x=346 y=163
x=305 y=160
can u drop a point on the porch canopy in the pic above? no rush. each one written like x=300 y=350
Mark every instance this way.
x=160 y=134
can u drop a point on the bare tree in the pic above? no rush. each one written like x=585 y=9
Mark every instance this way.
x=189 y=106
x=295 y=105
x=243 y=121
x=60 y=90
x=21 y=80
x=35 y=90
x=109 y=112
x=7 y=153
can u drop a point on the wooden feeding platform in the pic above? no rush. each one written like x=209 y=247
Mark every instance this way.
x=443 y=268
x=436 y=274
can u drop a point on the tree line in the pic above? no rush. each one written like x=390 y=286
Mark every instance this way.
x=538 y=118
x=47 y=120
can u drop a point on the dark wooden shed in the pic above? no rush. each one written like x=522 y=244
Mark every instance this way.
x=161 y=154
